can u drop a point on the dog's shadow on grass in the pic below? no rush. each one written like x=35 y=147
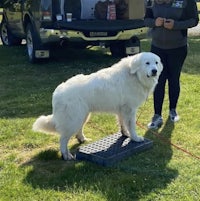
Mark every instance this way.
x=130 y=179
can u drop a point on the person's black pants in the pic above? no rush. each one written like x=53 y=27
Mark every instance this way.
x=172 y=60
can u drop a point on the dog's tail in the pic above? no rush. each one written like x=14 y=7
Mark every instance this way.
x=44 y=124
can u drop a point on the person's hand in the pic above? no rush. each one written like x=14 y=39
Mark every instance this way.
x=159 y=21
x=168 y=23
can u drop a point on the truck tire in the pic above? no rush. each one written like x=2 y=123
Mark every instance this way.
x=118 y=49
x=32 y=43
x=7 y=38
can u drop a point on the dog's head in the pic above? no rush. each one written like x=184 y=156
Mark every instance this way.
x=147 y=66
x=147 y=62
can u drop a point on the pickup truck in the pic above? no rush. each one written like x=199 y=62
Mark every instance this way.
x=115 y=24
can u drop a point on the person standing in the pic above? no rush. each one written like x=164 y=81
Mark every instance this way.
x=168 y=21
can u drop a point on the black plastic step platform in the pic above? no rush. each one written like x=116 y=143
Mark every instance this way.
x=111 y=149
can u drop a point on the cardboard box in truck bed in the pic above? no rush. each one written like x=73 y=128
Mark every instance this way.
x=135 y=10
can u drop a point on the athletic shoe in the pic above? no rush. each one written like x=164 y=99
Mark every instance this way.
x=173 y=115
x=156 y=122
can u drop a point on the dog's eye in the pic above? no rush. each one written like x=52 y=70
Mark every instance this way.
x=147 y=63
x=156 y=62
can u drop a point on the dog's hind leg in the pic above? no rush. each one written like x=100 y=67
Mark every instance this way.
x=80 y=135
x=66 y=155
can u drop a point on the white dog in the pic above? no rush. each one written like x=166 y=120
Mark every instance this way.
x=119 y=89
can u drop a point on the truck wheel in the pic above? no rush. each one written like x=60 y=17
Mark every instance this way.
x=36 y=51
x=7 y=38
x=32 y=43
x=118 y=49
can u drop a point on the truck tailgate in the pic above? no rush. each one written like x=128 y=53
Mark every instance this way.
x=97 y=25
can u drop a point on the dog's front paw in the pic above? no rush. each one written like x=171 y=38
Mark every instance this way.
x=137 y=138
x=125 y=133
x=68 y=156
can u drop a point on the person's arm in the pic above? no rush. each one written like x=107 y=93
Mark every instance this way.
x=149 y=20
x=190 y=17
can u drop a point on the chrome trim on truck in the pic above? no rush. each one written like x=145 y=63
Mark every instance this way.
x=53 y=35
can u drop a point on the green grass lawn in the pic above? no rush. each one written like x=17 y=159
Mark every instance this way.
x=30 y=164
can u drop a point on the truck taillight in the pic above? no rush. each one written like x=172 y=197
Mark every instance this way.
x=46 y=16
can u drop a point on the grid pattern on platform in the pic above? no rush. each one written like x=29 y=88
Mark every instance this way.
x=111 y=149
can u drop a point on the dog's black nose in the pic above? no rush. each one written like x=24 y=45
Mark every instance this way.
x=154 y=72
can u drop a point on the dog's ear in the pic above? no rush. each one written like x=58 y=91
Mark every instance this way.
x=135 y=63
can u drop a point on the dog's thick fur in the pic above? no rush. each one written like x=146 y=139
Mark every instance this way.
x=119 y=89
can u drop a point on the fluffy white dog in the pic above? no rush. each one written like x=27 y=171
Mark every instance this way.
x=119 y=89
